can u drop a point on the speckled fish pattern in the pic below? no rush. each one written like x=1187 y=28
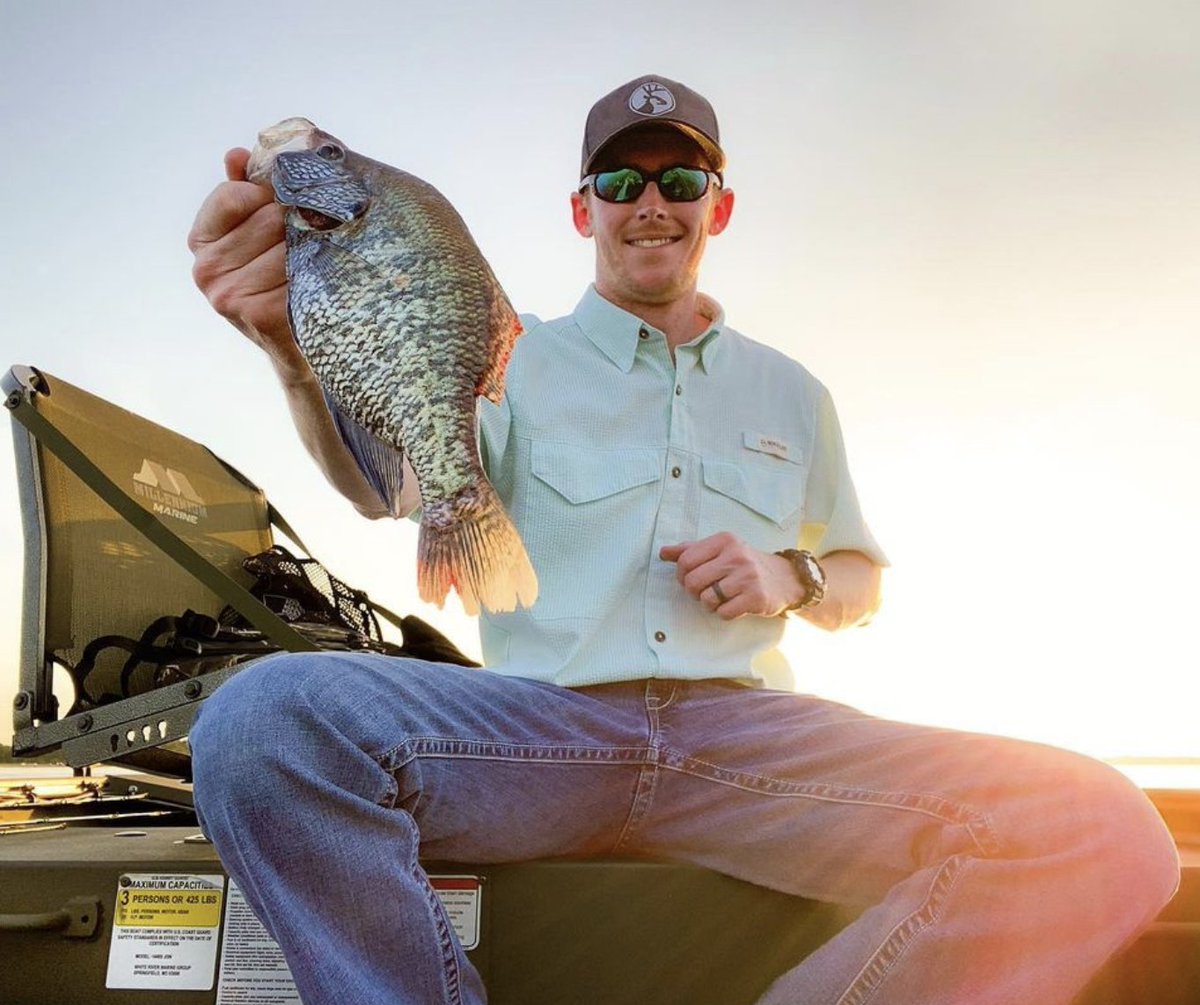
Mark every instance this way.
x=403 y=324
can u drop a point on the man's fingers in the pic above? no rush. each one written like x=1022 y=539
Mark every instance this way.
x=703 y=576
x=229 y=290
x=671 y=552
x=689 y=554
x=235 y=163
x=228 y=206
x=737 y=607
x=735 y=599
x=257 y=241
x=726 y=561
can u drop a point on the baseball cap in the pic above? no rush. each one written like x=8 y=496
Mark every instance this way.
x=646 y=101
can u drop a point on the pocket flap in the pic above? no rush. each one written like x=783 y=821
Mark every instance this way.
x=769 y=493
x=581 y=474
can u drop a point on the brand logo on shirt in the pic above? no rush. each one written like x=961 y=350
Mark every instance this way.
x=772 y=445
x=651 y=98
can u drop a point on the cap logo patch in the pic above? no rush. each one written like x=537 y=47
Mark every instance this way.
x=651 y=98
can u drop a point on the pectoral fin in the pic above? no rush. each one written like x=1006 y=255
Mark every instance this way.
x=382 y=464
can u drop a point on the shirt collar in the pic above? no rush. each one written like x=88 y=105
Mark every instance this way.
x=615 y=331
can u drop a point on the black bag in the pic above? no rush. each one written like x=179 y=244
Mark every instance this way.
x=301 y=591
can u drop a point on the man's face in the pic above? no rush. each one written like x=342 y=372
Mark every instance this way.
x=648 y=251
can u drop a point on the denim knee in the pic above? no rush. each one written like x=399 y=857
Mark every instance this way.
x=1129 y=855
x=259 y=692
x=1143 y=857
x=246 y=723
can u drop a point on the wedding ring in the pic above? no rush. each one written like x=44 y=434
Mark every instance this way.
x=720 y=595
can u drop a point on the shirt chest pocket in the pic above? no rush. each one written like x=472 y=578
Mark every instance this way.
x=588 y=515
x=580 y=475
x=761 y=505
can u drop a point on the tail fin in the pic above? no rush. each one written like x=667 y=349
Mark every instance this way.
x=469 y=543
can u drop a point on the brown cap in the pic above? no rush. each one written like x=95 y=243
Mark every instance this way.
x=646 y=101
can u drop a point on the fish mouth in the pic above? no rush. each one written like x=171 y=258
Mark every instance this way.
x=317 y=220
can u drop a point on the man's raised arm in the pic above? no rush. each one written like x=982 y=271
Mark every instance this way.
x=238 y=243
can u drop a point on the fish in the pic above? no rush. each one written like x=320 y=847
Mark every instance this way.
x=404 y=325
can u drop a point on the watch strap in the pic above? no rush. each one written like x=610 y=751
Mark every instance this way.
x=814 y=588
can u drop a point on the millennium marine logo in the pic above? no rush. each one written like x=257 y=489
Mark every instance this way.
x=168 y=492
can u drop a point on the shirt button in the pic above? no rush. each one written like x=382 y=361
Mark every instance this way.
x=676 y=472
x=643 y=334
x=678 y=389
x=660 y=636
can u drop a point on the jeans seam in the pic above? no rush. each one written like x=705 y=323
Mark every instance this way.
x=670 y=700
x=977 y=824
x=450 y=969
x=870 y=978
x=531 y=753
x=647 y=780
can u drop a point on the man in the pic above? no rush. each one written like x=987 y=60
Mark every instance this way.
x=679 y=487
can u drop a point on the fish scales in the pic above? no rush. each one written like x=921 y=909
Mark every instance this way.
x=403 y=323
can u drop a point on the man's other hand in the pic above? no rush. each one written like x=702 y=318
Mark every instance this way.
x=732 y=579
x=238 y=243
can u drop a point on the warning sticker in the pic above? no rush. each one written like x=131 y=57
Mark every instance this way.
x=253 y=971
x=164 y=932
x=460 y=896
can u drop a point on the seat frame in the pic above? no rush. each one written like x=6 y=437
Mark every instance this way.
x=143 y=721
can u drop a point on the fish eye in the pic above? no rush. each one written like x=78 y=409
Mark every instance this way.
x=331 y=152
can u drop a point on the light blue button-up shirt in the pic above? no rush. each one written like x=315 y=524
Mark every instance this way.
x=604 y=450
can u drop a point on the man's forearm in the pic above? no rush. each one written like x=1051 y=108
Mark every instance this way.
x=851 y=591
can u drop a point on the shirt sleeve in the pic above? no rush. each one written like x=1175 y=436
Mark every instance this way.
x=493 y=422
x=833 y=520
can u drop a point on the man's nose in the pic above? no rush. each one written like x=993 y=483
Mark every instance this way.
x=651 y=205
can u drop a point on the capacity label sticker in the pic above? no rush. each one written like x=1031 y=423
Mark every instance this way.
x=253 y=971
x=460 y=896
x=165 y=931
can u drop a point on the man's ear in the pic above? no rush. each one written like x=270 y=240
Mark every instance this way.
x=580 y=215
x=722 y=211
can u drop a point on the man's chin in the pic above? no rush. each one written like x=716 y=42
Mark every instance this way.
x=658 y=293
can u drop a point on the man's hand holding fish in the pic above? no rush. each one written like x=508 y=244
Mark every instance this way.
x=238 y=244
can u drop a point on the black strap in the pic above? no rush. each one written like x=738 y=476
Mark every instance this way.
x=277 y=520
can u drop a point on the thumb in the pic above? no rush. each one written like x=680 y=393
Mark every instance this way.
x=235 y=163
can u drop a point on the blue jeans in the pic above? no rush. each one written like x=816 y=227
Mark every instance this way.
x=996 y=871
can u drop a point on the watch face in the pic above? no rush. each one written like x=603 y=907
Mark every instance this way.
x=815 y=572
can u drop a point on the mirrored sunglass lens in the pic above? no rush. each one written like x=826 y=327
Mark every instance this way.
x=619 y=186
x=683 y=184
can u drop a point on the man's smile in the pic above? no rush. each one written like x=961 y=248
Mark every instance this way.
x=651 y=242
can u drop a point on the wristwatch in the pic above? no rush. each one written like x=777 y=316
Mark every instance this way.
x=811 y=576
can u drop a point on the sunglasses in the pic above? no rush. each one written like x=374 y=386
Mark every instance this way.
x=677 y=184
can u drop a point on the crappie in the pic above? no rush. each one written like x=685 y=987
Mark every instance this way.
x=403 y=324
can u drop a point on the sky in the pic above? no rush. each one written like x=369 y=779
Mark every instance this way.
x=978 y=223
